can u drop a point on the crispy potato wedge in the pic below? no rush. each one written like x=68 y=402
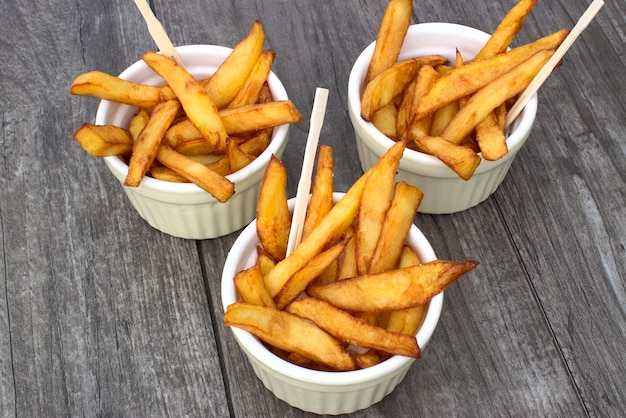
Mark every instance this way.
x=338 y=220
x=259 y=116
x=386 y=86
x=375 y=202
x=490 y=137
x=390 y=37
x=322 y=190
x=510 y=25
x=398 y=220
x=250 y=286
x=104 y=140
x=198 y=105
x=426 y=77
x=352 y=330
x=231 y=75
x=161 y=172
x=392 y=290
x=146 y=146
x=108 y=87
x=493 y=94
x=258 y=143
x=273 y=219
x=384 y=120
x=217 y=185
x=442 y=117
x=264 y=260
x=289 y=332
x=348 y=267
x=237 y=159
x=249 y=92
x=462 y=160
x=137 y=123
x=303 y=277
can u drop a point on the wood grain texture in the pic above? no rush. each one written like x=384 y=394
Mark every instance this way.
x=101 y=315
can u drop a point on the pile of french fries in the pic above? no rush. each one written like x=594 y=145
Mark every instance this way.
x=451 y=110
x=191 y=130
x=352 y=293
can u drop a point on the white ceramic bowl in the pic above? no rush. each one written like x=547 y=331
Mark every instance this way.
x=318 y=391
x=185 y=210
x=444 y=191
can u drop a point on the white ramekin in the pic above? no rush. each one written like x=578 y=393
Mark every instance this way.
x=318 y=391
x=183 y=209
x=444 y=191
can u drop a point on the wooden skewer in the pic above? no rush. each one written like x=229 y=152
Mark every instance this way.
x=304 y=185
x=545 y=71
x=157 y=32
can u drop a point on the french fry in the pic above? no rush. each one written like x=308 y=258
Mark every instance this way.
x=383 y=88
x=375 y=202
x=322 y=191
x=493 y=94
x=507 y=29
x=137 y=123
x=390 y=37
x=384 y=119
x=163 y=173
x=490 y=138
x=237 y=159
x=301 y=279
x=249 y=93
x=392 y=290
x=198 y=105
x=104 y=140
x=407 y=321
x=259 y=116
x=398 y=220
x=462 y=160
x=352 y=330
x=249 y=285
x=217 y=185
x=257 y=144
x=348 y=262
x=273 y=219
x=426 y=77
x=146 y=146
x=230 y=76
x=264 y=260
x=289 y=332
x=108 y=87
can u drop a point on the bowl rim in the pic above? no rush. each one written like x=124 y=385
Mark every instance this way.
x=522 y=124
x=133 y=72
x=243 y=252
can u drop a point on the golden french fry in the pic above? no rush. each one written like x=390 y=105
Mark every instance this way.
x=375 y=202
x=460 y=159
x=352 y=330
x=231 y=75
x=390 y=37
x=237 y=159
x=407 y=321
x=404 y=110
x=259 y=116
x=273 y=219
x=392 y=290
x=468 y=78
x=108 y=87
x=490 y=138
x=194 y=147
x=322 y=191
x=146 y=146
x=493 y=94
x=398 y=220
x=220 y=166
x=160 y=172
x=384 y=120
x=257 y=144
x=217 y=185
x=338 y=220
x=289 y=332
x=510 y=25
x=103 y=140
x=264 y=260
x=137 y=123
x=348 y=262
x=250 y=286
x=390 y=83
x=303 y=277
x=198 y=105
x=249 y=92
x=426 y=77
x=442 y=117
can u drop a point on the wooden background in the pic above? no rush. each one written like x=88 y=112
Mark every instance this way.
x=101 y=315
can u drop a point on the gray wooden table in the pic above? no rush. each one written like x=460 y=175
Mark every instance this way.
x=101 y=315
